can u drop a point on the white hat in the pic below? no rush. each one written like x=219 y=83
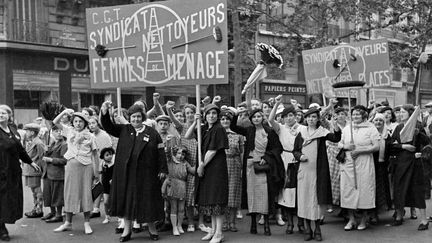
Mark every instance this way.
x=316 y=105
x=429 y=104
x=379 y=116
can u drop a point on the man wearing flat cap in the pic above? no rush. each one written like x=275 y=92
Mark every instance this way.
x=35 y=148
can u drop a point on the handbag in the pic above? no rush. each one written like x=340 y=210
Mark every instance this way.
x=258 y=168
x=97 y=190
x=340 y=157
x=291 y=175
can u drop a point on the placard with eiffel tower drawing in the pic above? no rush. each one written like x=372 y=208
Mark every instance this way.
x=179 y=42
x=366 y=61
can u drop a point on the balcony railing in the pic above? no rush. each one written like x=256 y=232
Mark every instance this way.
x=29 y=31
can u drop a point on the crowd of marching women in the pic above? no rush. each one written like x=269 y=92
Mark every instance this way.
x=273 y=159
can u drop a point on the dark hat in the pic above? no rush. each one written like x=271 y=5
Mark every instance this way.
x=253 y=112
x=359 y=107
x=227 y=114
x=312 y=111
x=288 y=109
x=209 y=107
x=55 y=128
x=339 y=109
x=409 y=107
x=32 y=127
x=163 y=118
x=104 y=150
x=385 y=108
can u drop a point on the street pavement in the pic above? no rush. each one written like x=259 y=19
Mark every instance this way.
x=35 y=230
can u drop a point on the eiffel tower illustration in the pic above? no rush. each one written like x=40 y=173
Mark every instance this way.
x=155 y=60
x=344 y=68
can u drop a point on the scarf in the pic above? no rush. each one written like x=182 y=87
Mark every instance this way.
x=309 y=138
x=383 y=136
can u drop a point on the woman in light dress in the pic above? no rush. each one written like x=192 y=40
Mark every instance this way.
x=358 y=185
x=287 y=134
x=313 y=178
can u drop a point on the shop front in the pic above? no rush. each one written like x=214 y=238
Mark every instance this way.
x=296 y=91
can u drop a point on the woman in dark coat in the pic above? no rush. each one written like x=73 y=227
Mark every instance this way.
x=140 y=164
x=313 y=178
x=255 y=185
x=212 y=183
x=409 y=183
x=381 y=160
x=11 y=191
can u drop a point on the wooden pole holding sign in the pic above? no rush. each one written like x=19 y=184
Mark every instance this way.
x=198 y=110
x=119 y=109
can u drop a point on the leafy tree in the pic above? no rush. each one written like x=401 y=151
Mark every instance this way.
x=310 y=24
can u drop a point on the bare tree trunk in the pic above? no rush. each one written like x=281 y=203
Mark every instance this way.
x=237 y=53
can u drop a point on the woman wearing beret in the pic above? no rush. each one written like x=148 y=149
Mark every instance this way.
x=212 y=185
x=263 y=173
x=11 y=190
x=81 y=156
x=140 y=164
x=287 y=134
x=409 y=183
x=358 y=185
x=313 y=177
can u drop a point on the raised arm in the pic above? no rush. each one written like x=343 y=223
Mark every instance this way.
x=249 y=99
x=169 y=105
x=191 y=130
x=336 y=135
x=237 y=129
x=157 y=107
x=271 y=118
x=58 y=118
x=107 y=124
x=216 y=100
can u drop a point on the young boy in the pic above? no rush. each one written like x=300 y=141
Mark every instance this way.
x=53 y=177
x=35 y=149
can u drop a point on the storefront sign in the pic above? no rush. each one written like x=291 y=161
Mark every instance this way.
x=366 y=61
x=283 y=88
x=153 y=44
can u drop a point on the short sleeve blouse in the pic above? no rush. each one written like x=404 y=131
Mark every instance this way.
x=80 y=145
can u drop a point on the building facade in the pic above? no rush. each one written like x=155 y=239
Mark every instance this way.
x=44 y=56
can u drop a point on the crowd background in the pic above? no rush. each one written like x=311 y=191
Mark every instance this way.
x=274 y=159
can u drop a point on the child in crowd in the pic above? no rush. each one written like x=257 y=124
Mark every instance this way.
x=174 y=187
x=53 y=176
x=106 y=169
x=35 y=148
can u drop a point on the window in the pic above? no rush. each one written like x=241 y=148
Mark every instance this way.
x=2 y=18
x=29 y=21
x=26 y=99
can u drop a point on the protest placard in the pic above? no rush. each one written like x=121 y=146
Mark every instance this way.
x=154 y=44
x=366 y=61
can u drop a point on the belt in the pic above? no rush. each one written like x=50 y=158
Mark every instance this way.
x=288 y=151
